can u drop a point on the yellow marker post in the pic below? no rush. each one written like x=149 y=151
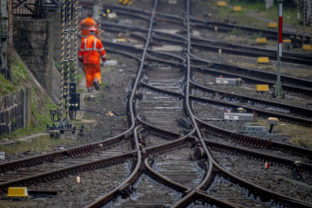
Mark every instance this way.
x=261 y=40
x=262 y=88
x=221 y=3
x=263 y=60
x=307 y=47
x=237 y=8
x=17 y=192
x=273 y=25
x=125 y=2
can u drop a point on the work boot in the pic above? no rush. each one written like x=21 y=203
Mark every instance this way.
x=96 y=84
x=90 y=89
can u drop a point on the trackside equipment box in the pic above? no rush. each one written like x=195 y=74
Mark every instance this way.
x=262 y=88
x=17 y=192
x=255 y=129
x=229 y=81
x=239 y=116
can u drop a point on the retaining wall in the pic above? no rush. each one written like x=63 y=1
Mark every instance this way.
x=35 y=41
x=15 y=111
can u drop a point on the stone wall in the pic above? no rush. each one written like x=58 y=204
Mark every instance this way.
x=34 y=40
x=15 y=111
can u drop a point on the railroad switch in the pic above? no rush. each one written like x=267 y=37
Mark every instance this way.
x=273 y=122
x=59 y=126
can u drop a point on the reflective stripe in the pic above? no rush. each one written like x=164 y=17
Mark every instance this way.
x=94 y=45
x=85 y=43
x=103 y=56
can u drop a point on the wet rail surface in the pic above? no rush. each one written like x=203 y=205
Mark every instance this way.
x=172 y=156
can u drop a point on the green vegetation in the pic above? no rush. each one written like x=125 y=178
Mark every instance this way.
x=254 y=13
x=43 y=143
x=299 y=135
x=40 y=103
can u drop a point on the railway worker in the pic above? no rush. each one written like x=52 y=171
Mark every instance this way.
x=85 y=25
x=90 y=54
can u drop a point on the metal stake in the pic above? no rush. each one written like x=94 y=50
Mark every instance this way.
x=278 y=84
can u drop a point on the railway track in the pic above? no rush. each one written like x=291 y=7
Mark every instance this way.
x=292 y=84
x=168 y=156
x=213 y=45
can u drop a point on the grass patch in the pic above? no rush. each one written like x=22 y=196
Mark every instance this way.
x=20 y=77
x=253 y=14
x=41 y=144
x=6 y=86
x=40 y=103
x=300 y=135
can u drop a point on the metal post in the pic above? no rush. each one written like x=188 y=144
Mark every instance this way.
x=278 y=84
x=3 y=36
x=68 y=42
x=63 y=54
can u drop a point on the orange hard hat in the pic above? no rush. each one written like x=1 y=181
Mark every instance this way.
x=92 y=28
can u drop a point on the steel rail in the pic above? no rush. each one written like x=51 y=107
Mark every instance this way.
x=285 y=78
x=297 y=85
x=221 y=147
x=265 y=113
x=263 y=193
x=196 y=22
x=292 y=84
x=278 y=197
x=225 y=27
x=260 y=51
x=258 y=155
x=292 y=108
x=269 y=75
x=254 y=141
x=124 y=185
x=283 y=117
x=181 y=188
x=227 y=47
x=130 y=106
x=72 y=152
x=59 y=173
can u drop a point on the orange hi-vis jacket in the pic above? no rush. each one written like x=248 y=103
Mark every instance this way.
x=85 y=24
x=91 y=50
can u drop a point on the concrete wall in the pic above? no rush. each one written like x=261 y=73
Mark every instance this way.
x=34 y=40
x=15 y=111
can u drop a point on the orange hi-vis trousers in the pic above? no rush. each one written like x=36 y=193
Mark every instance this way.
x=92 y=71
